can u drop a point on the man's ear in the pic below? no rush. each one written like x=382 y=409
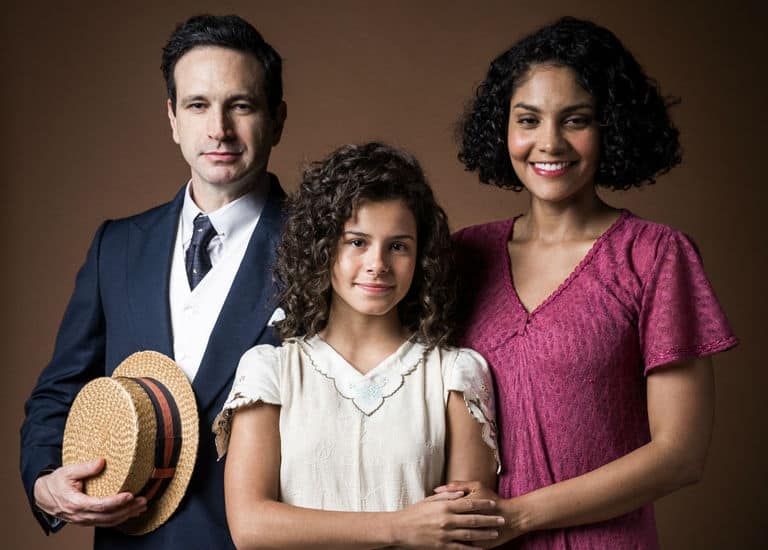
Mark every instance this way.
x=172 y=120
x=281 y=113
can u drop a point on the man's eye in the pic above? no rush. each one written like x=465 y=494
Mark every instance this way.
x=242 y=107
x=196 y=106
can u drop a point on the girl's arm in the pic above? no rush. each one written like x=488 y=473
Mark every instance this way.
x=257 y=520
x=468 y=456
x=680 y=415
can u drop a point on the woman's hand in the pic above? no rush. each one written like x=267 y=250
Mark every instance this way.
x=470 y=489
x=510 y=509
x=447 y=521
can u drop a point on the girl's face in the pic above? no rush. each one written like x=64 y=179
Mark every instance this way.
x=375 y=259
x=553 y=138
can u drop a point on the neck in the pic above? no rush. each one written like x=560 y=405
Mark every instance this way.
x=576 y=218
x=210 y=198
x=361 y=337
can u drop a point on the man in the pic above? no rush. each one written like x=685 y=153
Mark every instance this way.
x=190 y=279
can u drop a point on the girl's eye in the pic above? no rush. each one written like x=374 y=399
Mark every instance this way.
x=357 y=242
x=399 y=247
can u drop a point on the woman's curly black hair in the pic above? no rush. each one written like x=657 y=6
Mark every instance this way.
x=638 y=141
x=330 y=191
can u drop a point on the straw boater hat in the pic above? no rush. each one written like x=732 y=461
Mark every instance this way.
x=143 y=421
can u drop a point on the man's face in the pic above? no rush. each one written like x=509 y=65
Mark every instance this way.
x=222 y=122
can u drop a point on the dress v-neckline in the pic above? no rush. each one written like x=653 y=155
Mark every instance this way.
x=567 y=281
x=366 y=391
x=320 y=347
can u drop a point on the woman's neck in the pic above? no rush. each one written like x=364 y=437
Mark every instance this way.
x=585 y=217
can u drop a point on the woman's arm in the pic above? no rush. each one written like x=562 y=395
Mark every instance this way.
x=680 y=415
x=257 y=520
x=468 y=456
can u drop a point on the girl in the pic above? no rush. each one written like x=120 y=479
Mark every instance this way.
x=596 y=324
x=338 y=435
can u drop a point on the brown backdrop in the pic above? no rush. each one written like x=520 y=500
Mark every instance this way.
x=85 y=137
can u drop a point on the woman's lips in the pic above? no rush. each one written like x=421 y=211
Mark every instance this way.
x=551 y=169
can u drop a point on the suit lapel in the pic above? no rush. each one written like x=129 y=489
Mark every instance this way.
x=248 y=306
x=150 y=248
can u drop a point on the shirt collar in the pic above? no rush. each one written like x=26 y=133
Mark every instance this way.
x=228 y=220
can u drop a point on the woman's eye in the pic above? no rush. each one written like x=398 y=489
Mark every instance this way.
x=399 y=247
x=357 y=242
x=527 y=121
x=578 y=122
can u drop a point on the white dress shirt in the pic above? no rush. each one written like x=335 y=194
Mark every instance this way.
x=195 y=312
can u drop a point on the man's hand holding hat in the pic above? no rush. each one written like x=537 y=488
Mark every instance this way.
x=60 y=494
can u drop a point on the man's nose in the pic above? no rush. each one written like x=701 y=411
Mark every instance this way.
x=219 y=124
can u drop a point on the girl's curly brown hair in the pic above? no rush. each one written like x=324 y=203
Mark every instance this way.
x=330 y=191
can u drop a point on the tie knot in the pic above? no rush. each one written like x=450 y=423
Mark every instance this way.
x=202 y=231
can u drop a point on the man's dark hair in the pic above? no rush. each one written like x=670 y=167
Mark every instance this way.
x=226 y=31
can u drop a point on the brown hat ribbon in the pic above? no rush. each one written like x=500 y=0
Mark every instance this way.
x=168 y=438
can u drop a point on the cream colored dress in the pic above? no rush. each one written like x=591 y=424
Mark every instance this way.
x=355 y=442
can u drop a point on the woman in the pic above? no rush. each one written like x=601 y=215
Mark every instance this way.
x=597 y=324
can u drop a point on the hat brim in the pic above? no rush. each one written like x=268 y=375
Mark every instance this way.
x=79 y=445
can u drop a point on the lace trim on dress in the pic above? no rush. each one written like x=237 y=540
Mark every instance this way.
x=480 y=402
x=367 y=393
x=222 y=424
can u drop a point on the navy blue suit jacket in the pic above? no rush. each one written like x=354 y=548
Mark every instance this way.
x=120 y=306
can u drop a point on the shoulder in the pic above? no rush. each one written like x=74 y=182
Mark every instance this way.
x=649 y=241
x=145 y=220
x=269 y=354
x=476 y=247
x=150 y=217
x=481 y=232
x=462 y=364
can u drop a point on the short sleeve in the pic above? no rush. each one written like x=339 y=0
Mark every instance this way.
x=680 y=317
x=471 y=376
x=257 y=380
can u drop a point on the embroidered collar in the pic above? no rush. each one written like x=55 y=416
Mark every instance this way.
x=366 y=391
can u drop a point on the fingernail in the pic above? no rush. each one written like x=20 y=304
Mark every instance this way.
x=495 y=533
x=500 y=521
x=493 y=503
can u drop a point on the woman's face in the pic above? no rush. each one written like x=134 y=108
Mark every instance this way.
x=553 y=137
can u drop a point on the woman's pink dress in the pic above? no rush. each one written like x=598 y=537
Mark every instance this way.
x=570 y=375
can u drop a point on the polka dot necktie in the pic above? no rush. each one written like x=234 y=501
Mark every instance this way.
x=198 y=262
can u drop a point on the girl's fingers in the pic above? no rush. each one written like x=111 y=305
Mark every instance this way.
x=470 y=535
x=476 y=521
x=447 y=495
